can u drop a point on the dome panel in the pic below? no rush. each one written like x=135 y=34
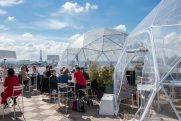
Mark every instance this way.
x=173 y=15
x=92 y=44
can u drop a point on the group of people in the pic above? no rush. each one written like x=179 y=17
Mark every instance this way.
x=25 y=77
x=12 y=80
x=78 y=75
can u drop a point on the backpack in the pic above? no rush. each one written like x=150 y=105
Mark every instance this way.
x=80 y=105
x=89 y=102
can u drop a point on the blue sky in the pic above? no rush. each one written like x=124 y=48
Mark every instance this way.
x=30 y=25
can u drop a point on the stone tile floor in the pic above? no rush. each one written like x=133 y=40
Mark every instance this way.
x=39 y=108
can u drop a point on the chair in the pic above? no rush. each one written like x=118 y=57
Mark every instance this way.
x=18 y=88
x=20 y=101
x=35 y=78
x=63 y=88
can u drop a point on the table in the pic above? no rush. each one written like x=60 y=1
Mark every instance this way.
x=7 y=110
x=173 y=84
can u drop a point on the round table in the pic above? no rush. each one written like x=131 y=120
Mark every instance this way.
x=7 y=110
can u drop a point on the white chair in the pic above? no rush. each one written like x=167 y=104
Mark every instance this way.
x=63 y=88
x=19 y=98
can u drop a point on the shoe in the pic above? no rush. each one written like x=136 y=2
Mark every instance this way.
x=6 y=106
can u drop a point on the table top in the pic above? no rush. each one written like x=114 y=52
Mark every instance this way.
x=176 y=83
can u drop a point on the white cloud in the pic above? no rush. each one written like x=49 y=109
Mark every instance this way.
x=3 y=27
x=52 y=24
x=5 y=3
x=74 y=37
x=75 y=8
x=120 y=27
x=11 y=18
x=2 y=12
x=27 y=35
x=28 y=45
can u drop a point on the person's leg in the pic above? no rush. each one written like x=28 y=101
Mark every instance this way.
x=3 y=100
x=79 y=92
x=14 y=100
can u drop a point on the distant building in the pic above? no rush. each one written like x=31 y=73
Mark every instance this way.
x=53 y=59
x=7 y=54
x=24 y=62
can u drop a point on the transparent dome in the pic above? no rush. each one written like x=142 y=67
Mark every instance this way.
x=156 y=42
x=102 y=46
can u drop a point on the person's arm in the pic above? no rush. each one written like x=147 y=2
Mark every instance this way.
x=69 y=77
x=73 y=77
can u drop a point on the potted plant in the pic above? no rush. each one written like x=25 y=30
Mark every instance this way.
x=104 y=78
x=107 y=77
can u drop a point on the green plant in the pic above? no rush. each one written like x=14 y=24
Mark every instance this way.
x=103 y=75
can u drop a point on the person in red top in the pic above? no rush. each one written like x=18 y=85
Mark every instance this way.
x=10 y=81
x=79 y=78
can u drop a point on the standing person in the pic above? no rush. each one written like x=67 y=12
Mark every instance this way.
x=10 y=81
x=86 y=75
x=79 y=79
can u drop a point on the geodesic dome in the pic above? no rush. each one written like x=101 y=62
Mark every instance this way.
x=102 y=46
x=157 y=40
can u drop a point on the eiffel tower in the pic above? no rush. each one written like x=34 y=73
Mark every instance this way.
x=41 y=60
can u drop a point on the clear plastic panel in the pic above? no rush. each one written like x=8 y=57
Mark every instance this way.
x=96 y=45
x=147 y=21
x=113 y=55
x=109 y=45
x=136 y=47
x=93 y=35
x=167 y=44
x=77 y=43
x=172 y=9
x=117 y=38
x=91 y=55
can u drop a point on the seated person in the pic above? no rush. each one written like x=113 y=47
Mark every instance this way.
x=64 y=77
x=49 y=71
x=45 y=72
x=85 y=74
x=10 y=81
x=79 y=79
x=23 y=76
x=61 y=70
x=53 y=80
x=34 y=74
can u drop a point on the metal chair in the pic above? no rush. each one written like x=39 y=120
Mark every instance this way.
x=19 y=98
x=20 y=102
x=63 y=88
